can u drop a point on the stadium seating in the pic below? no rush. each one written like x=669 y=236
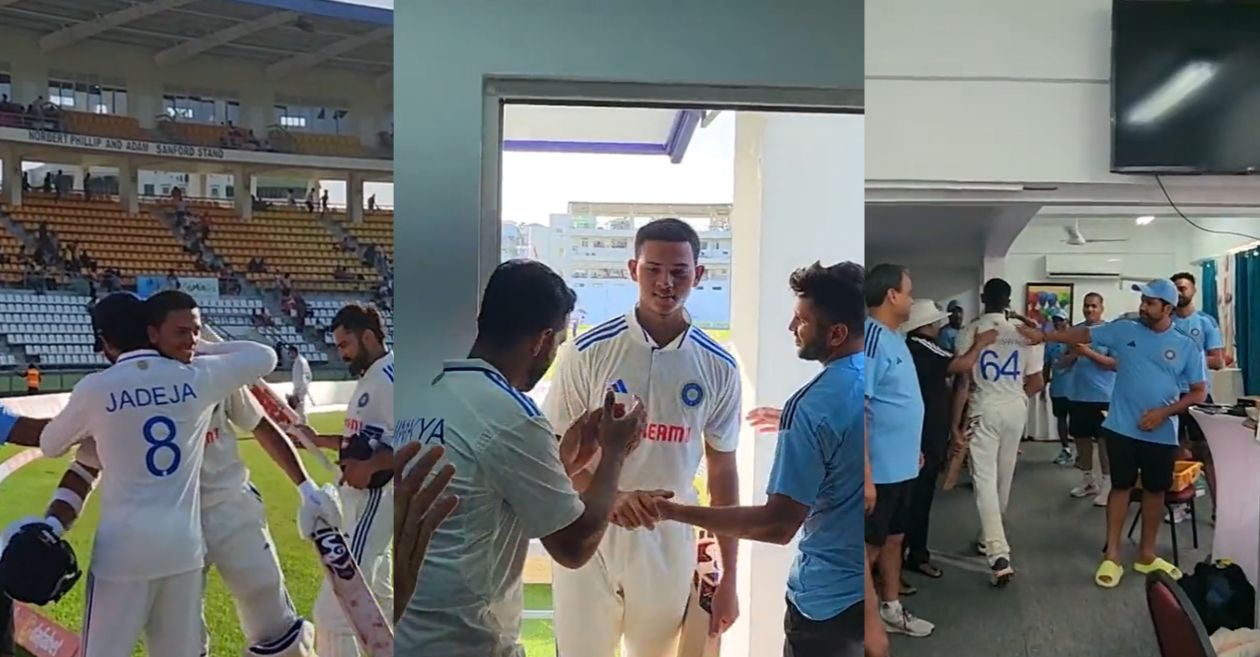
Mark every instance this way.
x=193 y=134
x=290 y=241
x=103 y=125
x=132 y=244
x=56 y=329
x=376 y=228
x=10 y=270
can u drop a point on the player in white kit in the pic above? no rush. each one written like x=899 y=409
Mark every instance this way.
x=238 y=542
x=301 y=382
x=639 y=586
x=995 y=394
x=148 y=553
x=367 y=462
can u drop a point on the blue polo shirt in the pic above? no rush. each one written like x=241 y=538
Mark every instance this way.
x=1092 y=382
x=8 y=419
x=1150 y=367
x=892 y=390
x=948 y=338
x=818 y=463
x=1060 y=379
x=1205 y=332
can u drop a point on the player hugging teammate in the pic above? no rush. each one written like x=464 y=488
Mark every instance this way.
x=173 y=505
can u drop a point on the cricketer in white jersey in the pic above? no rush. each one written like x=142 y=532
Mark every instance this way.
x=639 y=585
x=238 y=541
x=149 y=549
x=512 y=487
x=368 y=512
x=997 y=411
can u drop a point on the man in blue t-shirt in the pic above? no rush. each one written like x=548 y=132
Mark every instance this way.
x=894 y=425
x=1152 y=361
x=1058 y=371
x=1206 y=333
x=816 y=478
x=1093 y=376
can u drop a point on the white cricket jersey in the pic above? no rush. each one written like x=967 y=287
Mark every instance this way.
x=511 y=487
x=690 y=388
x=371 y=406
x=998 y=376
x=301 y=375
x=148 y=416
x=223 y=474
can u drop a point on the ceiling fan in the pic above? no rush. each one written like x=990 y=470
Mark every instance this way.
x=1076 y=238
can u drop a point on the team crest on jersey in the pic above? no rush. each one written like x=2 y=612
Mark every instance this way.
x=363 y=400
x=1170 y=355
x=692 y=394
x=1195 y=332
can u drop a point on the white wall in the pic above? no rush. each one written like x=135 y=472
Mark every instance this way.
x=1209 y=245
x=145 y=82
x=450 y=49
x=798 y=199
x=1152 y=251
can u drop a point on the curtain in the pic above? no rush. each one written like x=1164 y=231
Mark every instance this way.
x=1207 y=284
x=1247 y=317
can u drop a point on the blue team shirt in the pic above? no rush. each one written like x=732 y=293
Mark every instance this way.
x=1204 y=331
x=1060 y=379
x=1092 y=382
x=8 y=419
x=818 y=463
x=1150 y=367
x=948 y=339
x=892 y=389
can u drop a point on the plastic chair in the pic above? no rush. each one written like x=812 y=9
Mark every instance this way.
x=1178 y=629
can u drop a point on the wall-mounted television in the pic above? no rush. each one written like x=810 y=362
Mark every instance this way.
x=1185 y=87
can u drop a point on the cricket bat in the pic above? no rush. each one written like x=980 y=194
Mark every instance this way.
x=349 y=586
x=694 y=640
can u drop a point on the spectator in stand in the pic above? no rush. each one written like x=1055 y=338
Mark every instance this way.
x=172 y=280
x=323 y=201
x=372 y=203
x=292 y=199
x=87 y=185
x=310 y=200
x=60 y=183
x=26 y=180
x=33 y=379
x=48 y=183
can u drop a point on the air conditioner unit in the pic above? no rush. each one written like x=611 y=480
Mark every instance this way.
x=1083 y=266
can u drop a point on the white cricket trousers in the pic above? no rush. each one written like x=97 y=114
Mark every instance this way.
x=166 y=610
x=994 y=448
x=636 y=585
x=369 y=526
x=239 y=546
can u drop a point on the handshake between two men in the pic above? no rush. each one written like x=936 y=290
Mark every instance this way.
x=614 y=429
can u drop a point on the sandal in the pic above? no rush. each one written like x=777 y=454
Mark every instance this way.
x=1108 y=574
x=1158 y=564
x=927 y=568
x=907 y=589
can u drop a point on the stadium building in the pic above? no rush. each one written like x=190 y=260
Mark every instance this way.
x=176 y=143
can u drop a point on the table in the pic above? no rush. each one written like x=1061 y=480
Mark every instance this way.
x=1236 y=457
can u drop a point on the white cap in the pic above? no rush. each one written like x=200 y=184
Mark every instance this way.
x=923 y=313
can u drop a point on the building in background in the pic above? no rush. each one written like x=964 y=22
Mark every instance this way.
x=590 y=245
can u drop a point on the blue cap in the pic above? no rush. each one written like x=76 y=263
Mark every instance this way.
x=1160 y=288
x=1058 y=313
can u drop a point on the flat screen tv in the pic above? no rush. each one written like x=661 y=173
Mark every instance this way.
x=1185 y=87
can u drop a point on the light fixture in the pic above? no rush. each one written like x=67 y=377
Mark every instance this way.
x=1144 y=220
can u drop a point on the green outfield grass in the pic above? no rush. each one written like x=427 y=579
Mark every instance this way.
x=28 y=490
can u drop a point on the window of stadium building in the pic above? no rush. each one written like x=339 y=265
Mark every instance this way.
x=328 y=120
x=201 y=109
x=87 y=97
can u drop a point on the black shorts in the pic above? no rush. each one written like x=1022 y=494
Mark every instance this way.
x=839 y=636
x=1059 y=405
x=1189 y=427
x=1085 y=418
x=1131 y=457
x=891 y=516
